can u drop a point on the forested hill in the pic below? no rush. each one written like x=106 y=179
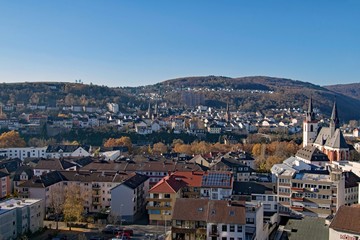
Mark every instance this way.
x=257 y=93
x=351 y=90
x=272 y=93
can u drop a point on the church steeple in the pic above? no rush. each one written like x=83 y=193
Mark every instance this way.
x=149 y=112
x=334 y=119
x=227 y=116
x=310 y=115
x=310 y=126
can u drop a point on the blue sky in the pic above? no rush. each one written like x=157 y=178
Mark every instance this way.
x=133 y=43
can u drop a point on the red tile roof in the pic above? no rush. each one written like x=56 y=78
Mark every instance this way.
x=168 y=184
x=347 y=219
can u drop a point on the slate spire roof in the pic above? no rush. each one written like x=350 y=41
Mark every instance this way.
x=310 y=115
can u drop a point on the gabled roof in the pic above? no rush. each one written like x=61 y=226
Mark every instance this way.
x=211 y=211
x=168 y=184
x=28 y=170
x=54 y=164
x=312 y=153
x=248 y=188
x=347 y=219
x=65 y=148
x=192 y=179
x=219 y=179
x=336 y=140
x=135 y=181
x=11 y=165
x=351 y=179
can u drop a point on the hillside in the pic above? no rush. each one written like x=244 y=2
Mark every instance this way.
x=284 y=93
x=351 y=90
x=257 y=93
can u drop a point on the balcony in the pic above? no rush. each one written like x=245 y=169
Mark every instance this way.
x=182 y=230
x=297 y=189
x=96 y=186
x=96 y=194
x=297 y=199
x=158 y=207
x=297 y=208
x=213 y=234
x=158 y=199
x=96 y=203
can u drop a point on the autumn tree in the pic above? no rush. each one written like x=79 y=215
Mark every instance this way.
x=159 y=148
x=11 y=139
x=117 y=142
x=73 y=204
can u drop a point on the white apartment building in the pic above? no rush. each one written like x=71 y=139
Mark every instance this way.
x=18 y=216
x=22 y=153
x=128 y=198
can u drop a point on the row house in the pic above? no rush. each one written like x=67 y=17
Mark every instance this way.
x=95 y=187
x=216 y=219
x=5 y=184
x=216 y=185
x=47 y=165
x=162 y=198
x=61 y=151
x=20 y=216
x=259 y=192
x=241 y=172
x=23 y=153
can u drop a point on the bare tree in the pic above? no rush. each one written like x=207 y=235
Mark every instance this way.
x=56 y=202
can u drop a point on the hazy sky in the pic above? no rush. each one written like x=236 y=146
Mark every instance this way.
x=132 y=43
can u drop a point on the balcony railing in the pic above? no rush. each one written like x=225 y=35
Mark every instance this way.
x=297 y=208
x=297 y=189
x=297 y=199
x=96 y=186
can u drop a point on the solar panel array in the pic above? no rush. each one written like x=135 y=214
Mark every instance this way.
x=216 y=180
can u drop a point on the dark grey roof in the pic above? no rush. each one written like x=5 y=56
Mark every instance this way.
x=311 y=153
x=11 y=165
x=3 y=174
x=83 y=161
x=335 y=140
x=135 y=181
x=351 y=179
x=28 y=170
x=248 y=188
x=64 y=148
x=230 y=163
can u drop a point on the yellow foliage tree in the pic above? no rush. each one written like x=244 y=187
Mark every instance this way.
x=73 y=204
x=159 y=148
x=117 y=142
x=11 y=139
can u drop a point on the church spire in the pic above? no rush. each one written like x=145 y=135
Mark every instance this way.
x=310 y=115
x=334 y=120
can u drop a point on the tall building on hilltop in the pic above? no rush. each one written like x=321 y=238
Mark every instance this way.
x=329 y=140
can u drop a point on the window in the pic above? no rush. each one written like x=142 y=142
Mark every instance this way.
x=232 y=228
x=270 y=198
x=239 y=228
x=167 y=195
x=250 y=220
x=223 y=238
x=224 y=228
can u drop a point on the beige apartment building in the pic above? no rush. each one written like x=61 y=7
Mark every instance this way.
x=311 y=193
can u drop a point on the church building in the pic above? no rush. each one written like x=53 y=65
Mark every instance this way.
x=328 y=140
